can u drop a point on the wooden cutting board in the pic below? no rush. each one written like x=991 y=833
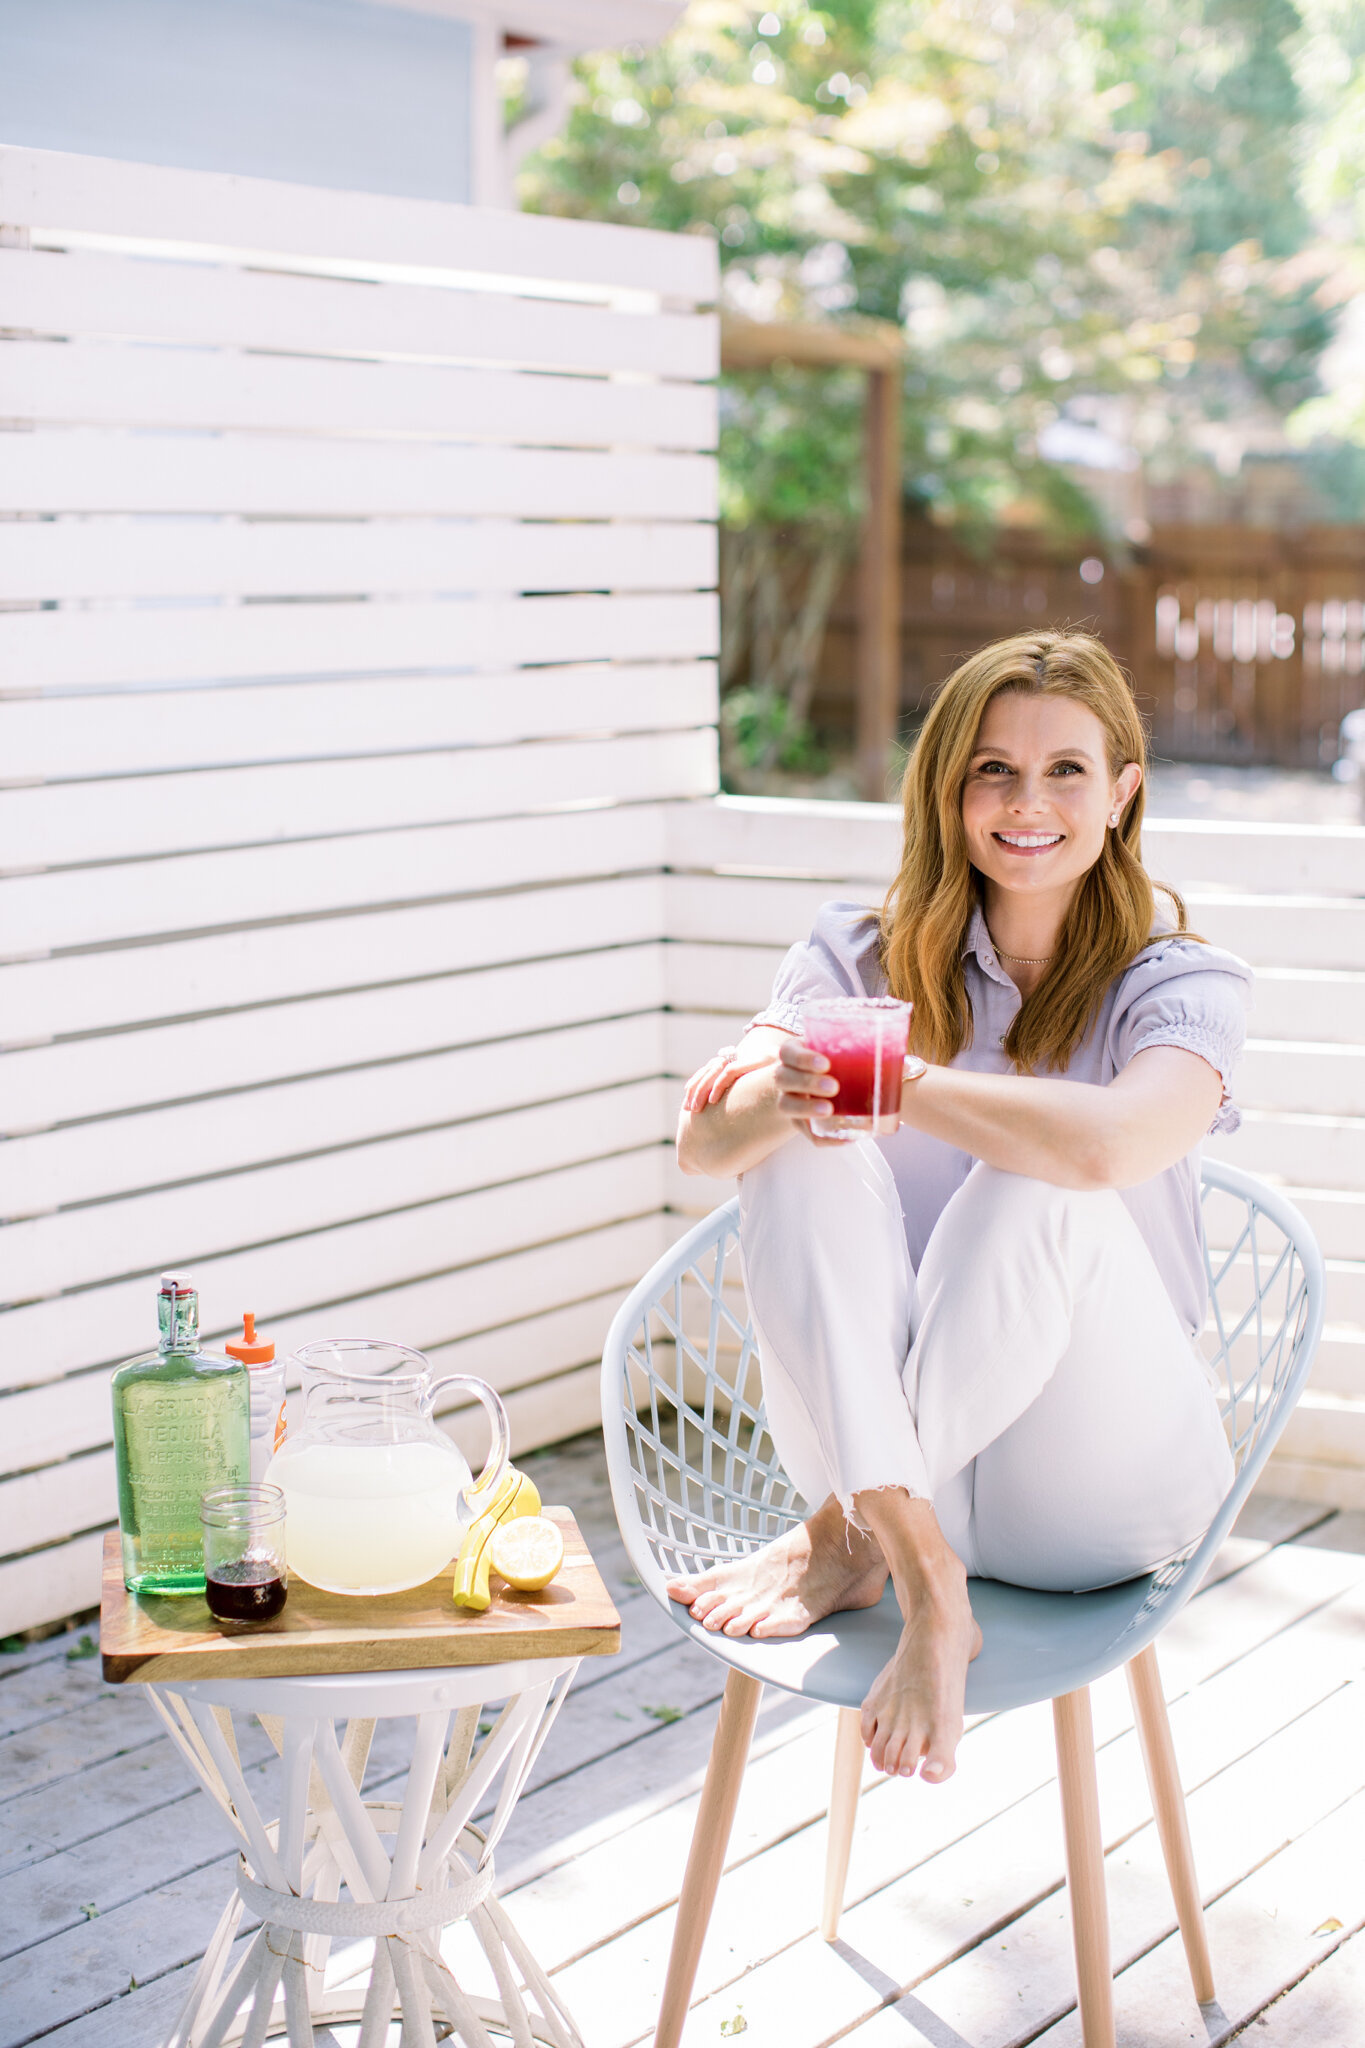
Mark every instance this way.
x=157 y=1641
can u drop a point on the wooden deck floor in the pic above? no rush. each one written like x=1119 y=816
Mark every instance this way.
x=112 y=1871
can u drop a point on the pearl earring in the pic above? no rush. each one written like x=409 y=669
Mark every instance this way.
x=1113 y=817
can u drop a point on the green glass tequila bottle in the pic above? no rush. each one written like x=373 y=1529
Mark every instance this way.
x=182 y=1423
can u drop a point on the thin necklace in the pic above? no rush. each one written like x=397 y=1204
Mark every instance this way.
x=1022 y=959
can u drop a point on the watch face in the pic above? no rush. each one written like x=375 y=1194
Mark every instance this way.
x=915 y=1066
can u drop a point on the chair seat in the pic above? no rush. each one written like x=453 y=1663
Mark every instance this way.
x=1036 y=1645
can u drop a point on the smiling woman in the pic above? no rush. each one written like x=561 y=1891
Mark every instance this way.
x=952 y=1317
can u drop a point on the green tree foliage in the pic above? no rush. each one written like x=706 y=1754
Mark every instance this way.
x=1052 y=200
x=1098 y=200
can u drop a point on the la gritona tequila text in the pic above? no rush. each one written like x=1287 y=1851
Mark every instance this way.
x=181 y=1425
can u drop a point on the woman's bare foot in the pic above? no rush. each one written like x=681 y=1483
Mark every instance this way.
x=912 y=1717
x=821 y=1568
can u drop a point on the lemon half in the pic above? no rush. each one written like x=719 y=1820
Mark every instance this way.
x=527 y=1552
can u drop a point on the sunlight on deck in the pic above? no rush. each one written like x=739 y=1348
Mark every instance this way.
x=112 y=1871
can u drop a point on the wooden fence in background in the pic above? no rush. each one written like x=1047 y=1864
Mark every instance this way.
x=357 y=565
x=1246 y=646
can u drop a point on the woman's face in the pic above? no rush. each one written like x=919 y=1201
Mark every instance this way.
x=1039 y=794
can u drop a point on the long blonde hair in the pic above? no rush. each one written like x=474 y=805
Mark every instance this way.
x=927 y=912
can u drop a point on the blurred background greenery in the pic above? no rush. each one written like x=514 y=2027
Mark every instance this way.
x=1125 y=244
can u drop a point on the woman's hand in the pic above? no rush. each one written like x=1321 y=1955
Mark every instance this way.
x=804 y=1088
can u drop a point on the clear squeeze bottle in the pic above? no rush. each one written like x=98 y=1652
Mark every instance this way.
x=267 y=1393
x=181 y=1426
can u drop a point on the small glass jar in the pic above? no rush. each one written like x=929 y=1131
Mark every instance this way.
x=246 y=1577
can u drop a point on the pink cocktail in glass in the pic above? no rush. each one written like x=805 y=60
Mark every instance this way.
x=864 y=1040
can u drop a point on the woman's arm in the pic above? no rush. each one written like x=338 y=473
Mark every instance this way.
x=729 y=1124
x=1072 y=1133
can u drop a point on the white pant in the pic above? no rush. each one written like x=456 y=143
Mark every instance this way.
x=1033 y=1379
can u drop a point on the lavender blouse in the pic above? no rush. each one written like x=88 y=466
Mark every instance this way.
x=1177 y=992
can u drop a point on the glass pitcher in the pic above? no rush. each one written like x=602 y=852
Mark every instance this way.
x=377 y=1495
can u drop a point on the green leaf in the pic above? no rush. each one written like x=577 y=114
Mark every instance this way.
x=79 y=1651
x=665 y=1714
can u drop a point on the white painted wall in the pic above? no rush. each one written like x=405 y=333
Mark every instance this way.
x=328 y=92
x=358 y=629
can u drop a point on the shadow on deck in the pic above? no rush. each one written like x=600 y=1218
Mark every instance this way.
x=112 y=1871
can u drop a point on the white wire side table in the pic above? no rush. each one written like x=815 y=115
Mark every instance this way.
x=335 y=1873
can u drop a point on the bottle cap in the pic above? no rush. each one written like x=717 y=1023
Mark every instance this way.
x=251 y=1349
x=178 y=1284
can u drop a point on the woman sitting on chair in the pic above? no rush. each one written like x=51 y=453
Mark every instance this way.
x=976 y=1335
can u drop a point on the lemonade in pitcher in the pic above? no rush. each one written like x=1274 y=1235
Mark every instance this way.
x=369 y=1518
x=377 y=1494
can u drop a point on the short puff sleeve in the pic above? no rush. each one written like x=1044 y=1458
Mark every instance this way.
x=838 y=959
x=1184 y=993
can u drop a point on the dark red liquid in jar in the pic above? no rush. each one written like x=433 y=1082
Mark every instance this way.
x=850 y=1046
x=253 y=1589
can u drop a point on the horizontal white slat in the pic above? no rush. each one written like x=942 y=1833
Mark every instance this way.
x=86 y=906
x=117 y=819
x=1325 y=1079
x=47 y=1585
x=776 y=835
x=218 y=304
x=691 y=1036
x=129 y=733
x=53 y=559
x=80 y=469
x=245 y=1049
x=455 y=1317
x=46 y=649
x=1326 y=1429
x=1321 y=932
x=1325 y=860
x=355 y=1277
x=89 y=1162
x=184 y=978
x=753 y=909
x=59 y=1501
x=87 y=1246
x=690 y=1195
x=49 y=189
x=1344 y=1299
x=1336 y=1216
x=1304 y=1479
x=122 y=384
x=1304 y=1151
x=1310 y=1003
x=736 y=979
x=1283 y=931
x=1311 y=933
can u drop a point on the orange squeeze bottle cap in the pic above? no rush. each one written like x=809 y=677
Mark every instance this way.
x=250 y=1348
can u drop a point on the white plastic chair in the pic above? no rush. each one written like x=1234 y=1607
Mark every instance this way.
x=695 y=1478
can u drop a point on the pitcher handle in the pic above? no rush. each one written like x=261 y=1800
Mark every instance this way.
x=491 y=1475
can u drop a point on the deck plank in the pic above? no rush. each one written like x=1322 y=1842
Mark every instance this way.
x=1005 y=1991
x=1263 y=1937
x=593 y=1858
x=1325 y=2006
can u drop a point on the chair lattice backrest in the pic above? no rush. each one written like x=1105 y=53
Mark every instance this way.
x=695 y=1474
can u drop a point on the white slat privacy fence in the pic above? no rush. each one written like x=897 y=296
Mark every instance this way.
x=747 y=875
x=357 y=566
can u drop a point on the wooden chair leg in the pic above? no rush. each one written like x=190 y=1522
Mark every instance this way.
x=706 y=1857
x=1172 y=1824
x=843 y=1812
x=1085 y=1865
